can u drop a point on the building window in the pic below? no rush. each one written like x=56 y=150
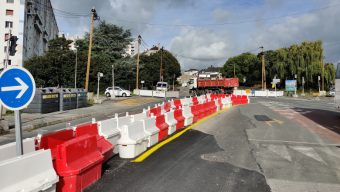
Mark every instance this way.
x=10 y=1
x=8 y=24
x=9 y=12
x=9 y=62
x=6 y=36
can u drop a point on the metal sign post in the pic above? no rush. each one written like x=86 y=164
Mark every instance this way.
x=17 y=91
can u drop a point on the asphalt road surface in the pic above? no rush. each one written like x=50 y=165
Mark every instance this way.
x=268 y=145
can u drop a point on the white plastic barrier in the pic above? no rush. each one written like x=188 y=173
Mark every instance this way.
x=185 y=102
x=133 y=140
x=171 y=121
x=172 y=94
x=217 y=105
x=201 y=99
x=109 y=130
x=158 y=93
x=8 y=151
x=226 y=102
x=121 y=121
x=188 y=116
x=30 y=172
x=147 y=93
x=149 y=127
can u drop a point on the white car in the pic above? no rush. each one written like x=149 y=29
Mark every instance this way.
x=162 y=86
x=118 y=92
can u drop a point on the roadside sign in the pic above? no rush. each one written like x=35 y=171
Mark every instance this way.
x=17 y=88
x=276 y=81
x=290 y=85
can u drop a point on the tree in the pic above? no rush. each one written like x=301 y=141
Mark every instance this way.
x=56 y=67
x=150 y=67
x=247 y=67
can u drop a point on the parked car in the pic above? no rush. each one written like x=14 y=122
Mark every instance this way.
x=162 y=86
x=120 y=92
x=332 y=92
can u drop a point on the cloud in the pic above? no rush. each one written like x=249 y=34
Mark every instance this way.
x=322 y=25
x=221 y=15
x=199 y=48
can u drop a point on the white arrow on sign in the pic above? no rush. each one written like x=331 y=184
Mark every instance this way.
x=22 y=88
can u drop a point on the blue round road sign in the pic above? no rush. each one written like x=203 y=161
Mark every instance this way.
x=17 y=88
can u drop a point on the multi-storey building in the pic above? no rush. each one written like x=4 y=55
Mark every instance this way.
x=32 y=21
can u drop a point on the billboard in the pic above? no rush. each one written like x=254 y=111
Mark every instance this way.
x=290 y=85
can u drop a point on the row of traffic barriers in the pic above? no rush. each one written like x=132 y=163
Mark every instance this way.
x=71 y=159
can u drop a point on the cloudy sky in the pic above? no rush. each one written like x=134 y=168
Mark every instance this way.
x=207 y=32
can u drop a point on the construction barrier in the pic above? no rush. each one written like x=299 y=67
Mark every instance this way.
x=77 y=154
x=53 y=140
x=188 y=116
x=196 y=112
x=109 y=130
x=121 y=121
x=163 y=127
x=178 y=115
x=78 y=163
x=8 y=151
x=104 y=146
x=155 y=111
x=185 y=102
x=171 y=121
x=176 y=103
x=149 y=127
x=29 y=172
x=133 y=140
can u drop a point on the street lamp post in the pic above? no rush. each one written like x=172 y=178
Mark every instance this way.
x=113 y=83
x=99 y=75
x=75 y=69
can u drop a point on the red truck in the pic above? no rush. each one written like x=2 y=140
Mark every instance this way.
x=201 y=86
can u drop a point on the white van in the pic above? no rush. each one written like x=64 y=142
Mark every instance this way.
x=162 y=86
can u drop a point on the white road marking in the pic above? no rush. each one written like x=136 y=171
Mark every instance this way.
x=277 y=185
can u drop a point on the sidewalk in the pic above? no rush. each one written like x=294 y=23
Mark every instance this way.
x=31 y=121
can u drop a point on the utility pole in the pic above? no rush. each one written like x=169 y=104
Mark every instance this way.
x=137 y=67
x=94 y=16
x=161 y=68
x=113 y=83
x=263 y=70
x=323 y=74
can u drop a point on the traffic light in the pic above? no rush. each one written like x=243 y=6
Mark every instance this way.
x=12 y=45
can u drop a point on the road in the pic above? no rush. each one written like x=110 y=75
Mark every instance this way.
x=268 y=145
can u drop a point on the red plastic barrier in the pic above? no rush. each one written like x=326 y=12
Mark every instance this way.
x=177 y=103
x=201 y=110
x=244 y=99
x=178 y=115
x=167 y=106
x=195 y=101
x=206 y=109
x=213 y=107
x=162 y=126
x=53 y=139
x=78 y=164
x=156 y=111
x=196 y=112
x=104 y=146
